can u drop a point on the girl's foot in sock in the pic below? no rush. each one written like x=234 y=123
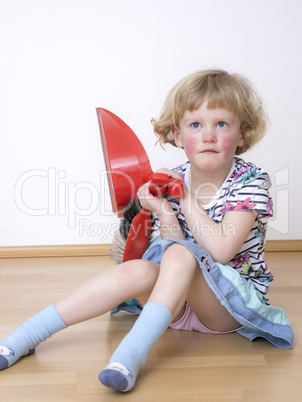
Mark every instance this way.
x=124 y=365
x=23 y=341
x=117 y=376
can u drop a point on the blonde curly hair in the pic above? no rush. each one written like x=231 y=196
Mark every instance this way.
x=221 y=90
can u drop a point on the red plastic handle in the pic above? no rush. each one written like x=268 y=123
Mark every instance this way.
x=161 y=185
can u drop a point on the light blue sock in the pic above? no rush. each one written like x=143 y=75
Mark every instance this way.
x=23 y=340
x=125 y=363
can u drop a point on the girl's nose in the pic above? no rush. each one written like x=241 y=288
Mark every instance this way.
x=208 y=134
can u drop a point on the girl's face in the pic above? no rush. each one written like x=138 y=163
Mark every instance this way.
x=209 y=138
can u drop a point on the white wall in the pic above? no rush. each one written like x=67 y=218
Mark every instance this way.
x=61 y=59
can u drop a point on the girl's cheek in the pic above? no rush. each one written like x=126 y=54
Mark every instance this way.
x=191 y=144
x=228 y=145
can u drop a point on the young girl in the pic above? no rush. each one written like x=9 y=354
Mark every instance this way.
x=222 y=217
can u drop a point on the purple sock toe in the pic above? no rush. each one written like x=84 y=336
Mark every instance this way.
x=3 y=363
x=113 y=379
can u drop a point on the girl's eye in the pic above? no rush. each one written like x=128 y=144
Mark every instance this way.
x=196 y=125
x=221 y=124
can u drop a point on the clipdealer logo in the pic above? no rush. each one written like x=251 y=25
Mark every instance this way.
x=81 y=200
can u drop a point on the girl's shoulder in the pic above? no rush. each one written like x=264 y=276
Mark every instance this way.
x=245 y=173
x=247 y=188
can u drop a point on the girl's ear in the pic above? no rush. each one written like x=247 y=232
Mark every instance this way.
x=177 y=137
x=241 y=141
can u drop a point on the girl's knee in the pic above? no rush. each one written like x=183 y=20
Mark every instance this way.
x=179 y=254
x=139 y=274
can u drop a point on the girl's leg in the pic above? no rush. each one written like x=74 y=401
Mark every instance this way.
x=166 y=302
x=132 y=279
x=93 y=298
x=208 y=308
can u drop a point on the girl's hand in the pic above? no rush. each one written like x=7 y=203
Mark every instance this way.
x=156 y=204
x=168 y=222
x=169 y=225
x=152 y=203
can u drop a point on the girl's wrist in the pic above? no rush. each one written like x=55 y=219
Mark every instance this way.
x=169 y=225
x=165 y=209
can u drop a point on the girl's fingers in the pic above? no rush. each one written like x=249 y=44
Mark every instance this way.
x=144 y=190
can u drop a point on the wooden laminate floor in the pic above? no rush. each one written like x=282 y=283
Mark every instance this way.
x=184 y=366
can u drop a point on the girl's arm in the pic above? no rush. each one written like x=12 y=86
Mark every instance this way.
x=222 y=241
